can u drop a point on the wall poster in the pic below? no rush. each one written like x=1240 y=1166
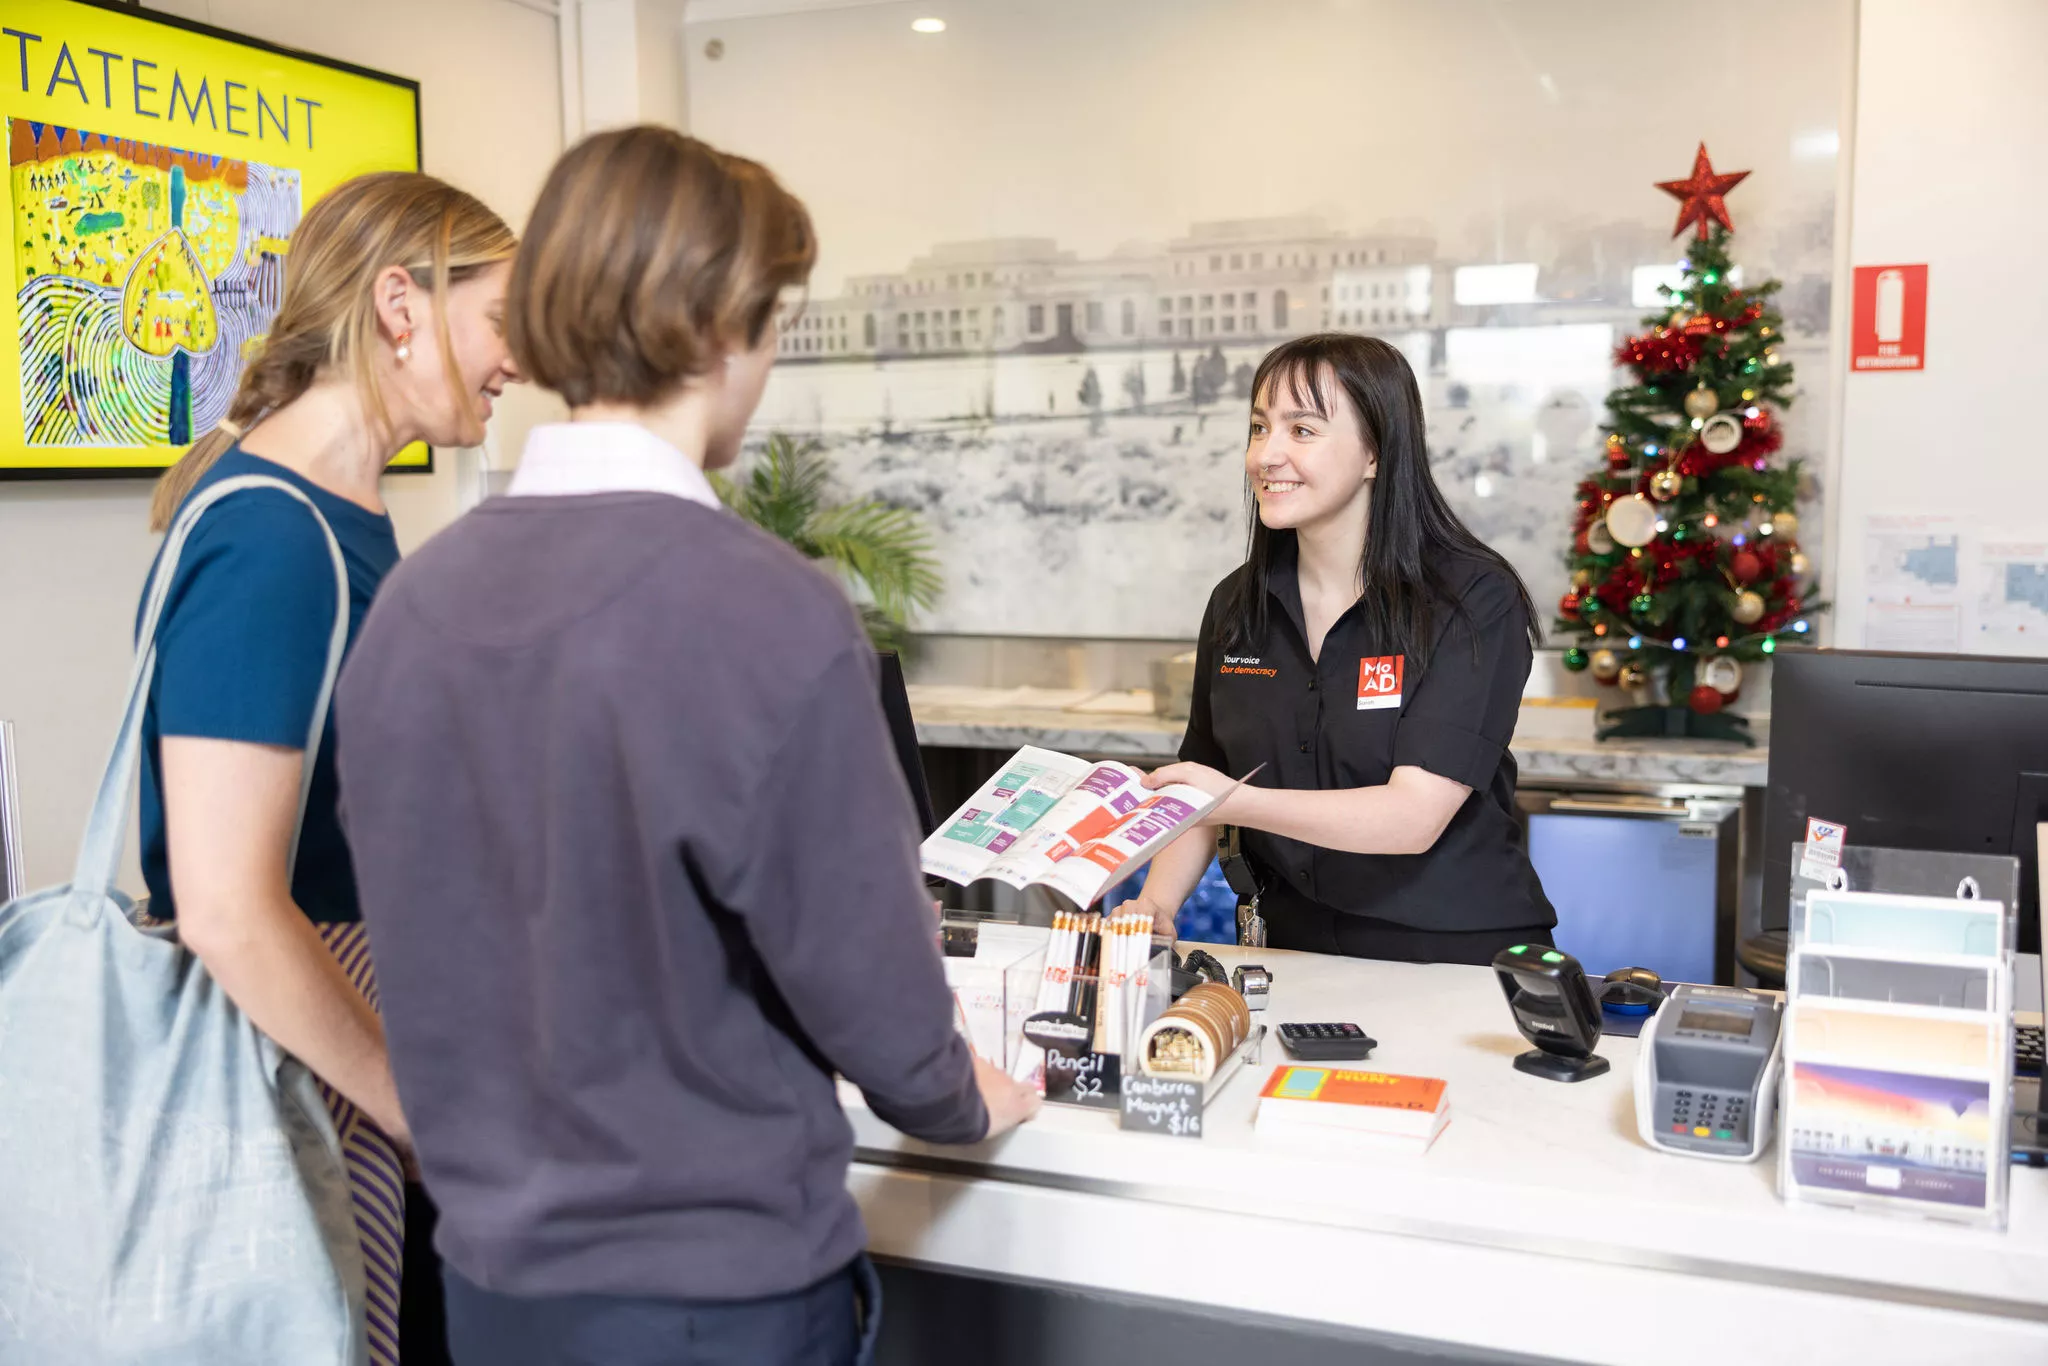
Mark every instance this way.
x=155 y=171
x=1055 y=240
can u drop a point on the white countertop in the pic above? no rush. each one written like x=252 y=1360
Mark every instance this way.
x=1531 y=1177
x=1552 y=742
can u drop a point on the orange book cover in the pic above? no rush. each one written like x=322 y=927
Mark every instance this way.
x=1336 y=1086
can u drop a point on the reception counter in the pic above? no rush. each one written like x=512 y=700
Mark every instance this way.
x=1538 y=1227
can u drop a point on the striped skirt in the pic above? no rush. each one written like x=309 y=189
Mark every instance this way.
x=376 y=1176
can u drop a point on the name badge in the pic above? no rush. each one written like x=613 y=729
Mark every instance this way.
x=1379 y=682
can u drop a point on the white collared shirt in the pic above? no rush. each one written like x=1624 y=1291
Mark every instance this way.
x=564 y=459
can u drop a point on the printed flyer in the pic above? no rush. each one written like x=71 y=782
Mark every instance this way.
x=1051 y=820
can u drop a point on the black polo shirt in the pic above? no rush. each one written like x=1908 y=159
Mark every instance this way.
x=1363 y=710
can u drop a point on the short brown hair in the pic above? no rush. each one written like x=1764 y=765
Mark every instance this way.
x=649 y=255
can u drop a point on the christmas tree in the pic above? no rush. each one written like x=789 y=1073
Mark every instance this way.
x=1685 y=559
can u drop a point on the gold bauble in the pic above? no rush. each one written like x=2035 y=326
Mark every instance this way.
x=1800 y=564
x=1702 y=403
x=1582 y=578
x=1785 y=525
x=1666 y=485
x=1606 y=665
x=1598 y=540
x=1748 y=609
x=1631 y=677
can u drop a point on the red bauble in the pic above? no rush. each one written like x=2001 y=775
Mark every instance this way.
x=1568 y=606
x=1746 y=566
x=1705 y=700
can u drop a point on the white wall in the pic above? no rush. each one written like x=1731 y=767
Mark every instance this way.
x=1950 y=146
x=73 y=555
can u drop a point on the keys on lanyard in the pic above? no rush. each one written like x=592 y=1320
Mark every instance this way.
x=1251 y=926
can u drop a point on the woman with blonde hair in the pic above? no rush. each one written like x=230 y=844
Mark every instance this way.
x=390 y=332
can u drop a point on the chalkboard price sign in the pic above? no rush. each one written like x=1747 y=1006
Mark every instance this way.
x=1162 y=1105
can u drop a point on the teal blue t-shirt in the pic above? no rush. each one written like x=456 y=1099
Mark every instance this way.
x=241 y=648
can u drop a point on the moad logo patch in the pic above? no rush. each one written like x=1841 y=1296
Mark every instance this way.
x=1379 y=682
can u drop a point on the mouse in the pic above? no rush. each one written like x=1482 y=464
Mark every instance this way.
x=1631 y=991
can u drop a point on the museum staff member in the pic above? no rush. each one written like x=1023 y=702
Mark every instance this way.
x=1368 y=658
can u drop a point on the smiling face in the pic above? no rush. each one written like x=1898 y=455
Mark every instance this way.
x=1309 y=458
x=448 y=401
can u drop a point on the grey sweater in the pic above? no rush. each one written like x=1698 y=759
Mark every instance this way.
x=640 y=874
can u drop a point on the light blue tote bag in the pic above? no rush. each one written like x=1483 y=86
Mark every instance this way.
x=171 y=1188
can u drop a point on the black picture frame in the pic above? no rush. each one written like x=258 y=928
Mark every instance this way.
x=51 y=474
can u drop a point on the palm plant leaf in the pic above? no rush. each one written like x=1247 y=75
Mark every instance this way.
x=883 y=554
x=881 y=550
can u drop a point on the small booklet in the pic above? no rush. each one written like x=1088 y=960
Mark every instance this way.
x=1071 y=825
x=1402 y=1111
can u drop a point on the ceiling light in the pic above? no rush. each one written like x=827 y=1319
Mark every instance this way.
x=928 y=25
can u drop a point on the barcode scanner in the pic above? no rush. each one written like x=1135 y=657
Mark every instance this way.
x=1555 y=1010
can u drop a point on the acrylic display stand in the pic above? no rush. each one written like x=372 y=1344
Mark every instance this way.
x=995 y=988
x=1897 y=1081
x=1077 y=1071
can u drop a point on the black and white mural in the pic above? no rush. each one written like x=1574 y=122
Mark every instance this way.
x=1058 y=236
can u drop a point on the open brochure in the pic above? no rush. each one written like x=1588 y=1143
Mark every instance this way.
x=1072 y=825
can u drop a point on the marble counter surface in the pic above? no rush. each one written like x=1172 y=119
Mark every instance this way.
x=1552 y=744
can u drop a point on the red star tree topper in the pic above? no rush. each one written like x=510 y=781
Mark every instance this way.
x=1699 y=199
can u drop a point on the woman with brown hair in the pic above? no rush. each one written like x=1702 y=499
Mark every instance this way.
x=390 y=331
x=639 y=861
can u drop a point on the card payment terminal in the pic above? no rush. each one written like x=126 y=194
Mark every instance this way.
x=1707 y=1073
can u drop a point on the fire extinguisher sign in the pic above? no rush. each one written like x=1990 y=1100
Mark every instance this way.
x=1889 y=327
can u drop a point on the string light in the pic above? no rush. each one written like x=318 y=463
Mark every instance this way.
x=1635 y=642
x=1766 y=529
x=1710 y=521
x=1770 y=645
x=1721 y=642
x=1800 y=627
x=1679 y=643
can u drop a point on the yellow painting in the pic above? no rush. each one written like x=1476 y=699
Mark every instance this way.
x=137 y=261
x=156 y=170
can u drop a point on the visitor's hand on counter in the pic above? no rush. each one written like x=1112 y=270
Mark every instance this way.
x=1010 y=1102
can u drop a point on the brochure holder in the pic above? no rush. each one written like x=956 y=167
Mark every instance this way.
x=1896 y=1092
x=994 y=988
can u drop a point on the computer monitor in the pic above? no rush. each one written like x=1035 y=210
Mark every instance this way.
x=903 y=736
x=1937 y=752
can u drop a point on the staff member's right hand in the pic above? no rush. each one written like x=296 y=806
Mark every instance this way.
x=1010 y=1102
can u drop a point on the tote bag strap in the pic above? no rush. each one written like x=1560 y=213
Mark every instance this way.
x=99 y=854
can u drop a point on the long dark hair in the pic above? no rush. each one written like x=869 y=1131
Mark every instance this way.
x=1412 y=531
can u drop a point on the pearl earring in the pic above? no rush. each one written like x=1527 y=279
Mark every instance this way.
x=404 y=346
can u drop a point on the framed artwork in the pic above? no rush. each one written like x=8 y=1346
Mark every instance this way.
x=1056 y=239
x=156 y=169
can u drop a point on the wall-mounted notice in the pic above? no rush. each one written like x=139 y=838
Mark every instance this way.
x=1889 y=328
x=1913 y=574
x=1938 y=584
x=2011 y=601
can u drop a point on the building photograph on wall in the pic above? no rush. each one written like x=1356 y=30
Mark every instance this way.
x=1036 y=320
